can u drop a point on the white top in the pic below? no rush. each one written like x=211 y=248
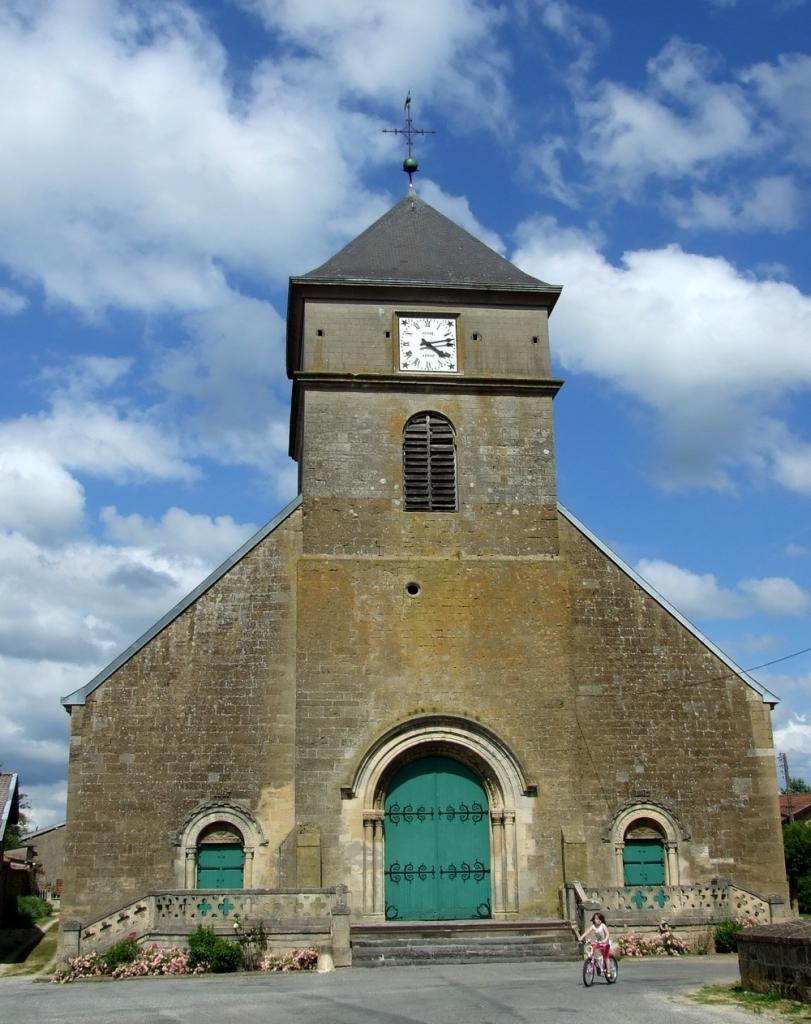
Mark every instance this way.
x=600 y=932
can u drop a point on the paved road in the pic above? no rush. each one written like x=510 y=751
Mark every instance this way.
x=489 y=994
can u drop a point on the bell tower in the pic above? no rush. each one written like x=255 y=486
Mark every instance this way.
x=422 y=425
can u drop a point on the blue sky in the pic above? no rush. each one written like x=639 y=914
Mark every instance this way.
x=165 y=166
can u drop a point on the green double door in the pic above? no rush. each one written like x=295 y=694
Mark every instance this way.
x=437 y=840
x=220 y=866
x=643 y=862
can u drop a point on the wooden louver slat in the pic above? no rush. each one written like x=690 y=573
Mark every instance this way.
x=429 y=464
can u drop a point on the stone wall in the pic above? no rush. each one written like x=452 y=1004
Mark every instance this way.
x=777 y=958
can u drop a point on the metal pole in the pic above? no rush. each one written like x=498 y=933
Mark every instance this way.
x=789 y=808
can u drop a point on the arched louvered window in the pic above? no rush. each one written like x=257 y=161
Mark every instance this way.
x=429 y=464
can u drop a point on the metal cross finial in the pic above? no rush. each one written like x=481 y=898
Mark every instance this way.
x=410 y=165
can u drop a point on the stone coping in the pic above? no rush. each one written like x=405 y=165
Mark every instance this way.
x=783 y=932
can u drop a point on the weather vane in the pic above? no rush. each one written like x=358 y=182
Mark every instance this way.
x=410 y=165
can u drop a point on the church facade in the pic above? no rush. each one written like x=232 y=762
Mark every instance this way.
x=424 y=680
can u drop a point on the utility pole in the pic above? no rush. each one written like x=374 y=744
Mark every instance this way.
x=789 y=809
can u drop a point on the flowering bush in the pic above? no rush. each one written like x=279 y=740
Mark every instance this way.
x=662 y=943
x=151 y=960
x=91 y=965
x=295 y=960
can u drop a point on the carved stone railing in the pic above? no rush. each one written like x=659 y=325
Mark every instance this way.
x=639 y=906
x=291 y=918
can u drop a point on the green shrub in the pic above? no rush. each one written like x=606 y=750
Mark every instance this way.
x=32 y=908
x=804 y=893
x=209 y=951
x=725 y=935
x=123 y=952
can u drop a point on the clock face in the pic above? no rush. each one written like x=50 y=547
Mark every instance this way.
x=428 y=344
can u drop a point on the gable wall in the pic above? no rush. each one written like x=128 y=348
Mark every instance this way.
x=660 y=715
x=205 y=711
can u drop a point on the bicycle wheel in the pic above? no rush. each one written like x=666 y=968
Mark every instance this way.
x=588 y=972
x=611 y=970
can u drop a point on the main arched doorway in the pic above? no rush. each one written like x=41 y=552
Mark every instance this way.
x=437 y=842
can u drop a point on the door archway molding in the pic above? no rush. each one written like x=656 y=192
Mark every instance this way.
x=211 y=814
x=647 y=810
x=485 y=754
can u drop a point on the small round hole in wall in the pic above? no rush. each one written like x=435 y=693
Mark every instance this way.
x=413 y=589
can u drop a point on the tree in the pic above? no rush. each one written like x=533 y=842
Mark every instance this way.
x=797 y=845
x=798 y=786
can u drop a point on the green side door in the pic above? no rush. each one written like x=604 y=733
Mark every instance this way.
x=220 y=866
x=437 y=839
x=643 y=862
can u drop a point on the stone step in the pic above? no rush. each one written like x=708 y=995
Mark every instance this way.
x=448 y=942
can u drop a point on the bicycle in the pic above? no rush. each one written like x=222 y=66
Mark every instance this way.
x=591 y=966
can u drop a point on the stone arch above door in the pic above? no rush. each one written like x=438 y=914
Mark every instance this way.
x=202 y=820
x=471 y=744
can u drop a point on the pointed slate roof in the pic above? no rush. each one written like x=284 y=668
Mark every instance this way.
x=414 y=244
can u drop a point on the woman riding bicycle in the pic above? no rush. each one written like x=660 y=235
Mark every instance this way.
x=602 y=937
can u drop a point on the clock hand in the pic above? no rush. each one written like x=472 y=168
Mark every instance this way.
x=428 y=344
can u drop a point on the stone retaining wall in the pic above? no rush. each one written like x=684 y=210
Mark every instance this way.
x=777 y=957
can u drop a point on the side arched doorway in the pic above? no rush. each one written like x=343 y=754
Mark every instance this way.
x=437 y=841
x=220 y=857
x=643 y=854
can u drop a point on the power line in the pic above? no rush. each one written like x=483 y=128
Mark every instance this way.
x=785 y=657
x=717 y=679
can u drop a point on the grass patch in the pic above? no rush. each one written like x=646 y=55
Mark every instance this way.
x=770 y=1003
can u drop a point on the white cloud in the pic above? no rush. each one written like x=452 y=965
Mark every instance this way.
x=794 y=739
x=66 y=611
x=760 y=642
x=379 y=49
x=684 y=337
x=11 y=302
x=94 y=437
x=700 y=596
x=583 y=32
x=776 y=595
x=683 y=123
x=691 y=593
x=178 y=533
x=796 y=551
x=782 y=87
x=148 y=175
x=38 y=497
x=773 y=203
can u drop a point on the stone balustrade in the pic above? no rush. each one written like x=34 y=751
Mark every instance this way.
x=646 y=906
x=291 y=918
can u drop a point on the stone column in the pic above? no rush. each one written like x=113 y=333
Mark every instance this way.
x=191 y=869
x=619 y=865
x=368 y=862
x=511 y=874
x=672 y=859
x=379 y=908
x=247 y=874
x=497 y=862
